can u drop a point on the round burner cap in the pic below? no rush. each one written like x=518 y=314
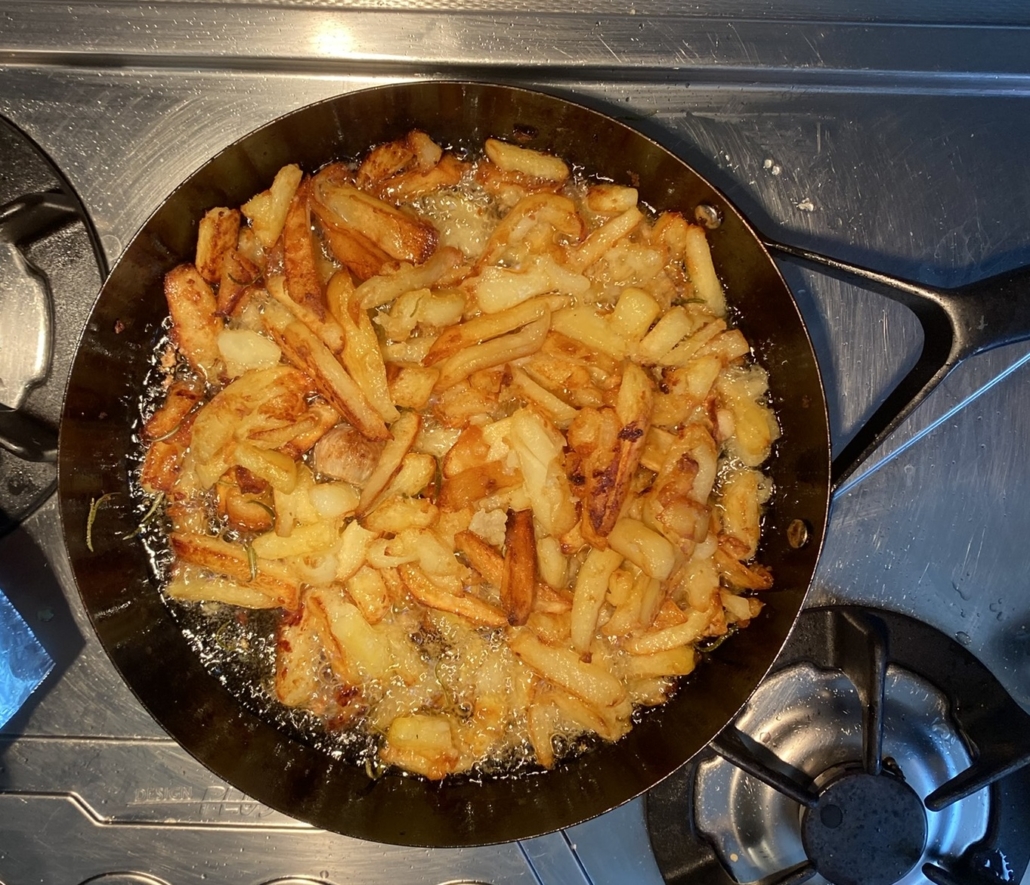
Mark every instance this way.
x=866 y=830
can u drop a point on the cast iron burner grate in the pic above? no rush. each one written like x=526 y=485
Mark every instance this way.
x=49 y=257
x=879 y=751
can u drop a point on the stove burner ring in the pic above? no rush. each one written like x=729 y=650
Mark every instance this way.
x=852 y=764
x=866 y=829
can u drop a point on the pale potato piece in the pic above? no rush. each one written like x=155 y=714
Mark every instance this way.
x=302 y=541
x=672 y=662
x=646 y=549
x=422 y=743
x=589 y=594
x=499 y=288
x=585 y=325
x=672 y=637
x=698 y=258
x=242 y=350
x=443 y=267
x=674 y=325
x=634 y=313
x=277 y=469
x=563 y=666
x=604 y=238
x=368 y=590
x=365 y=649
x=397 y=514
x=411 y=386
x=402 y=436
x=524 y=161
x=193 y=584
x=539 y=449
x=352 y=550
x=267 y=211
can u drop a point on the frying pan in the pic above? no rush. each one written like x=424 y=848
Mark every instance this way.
x=281 y=769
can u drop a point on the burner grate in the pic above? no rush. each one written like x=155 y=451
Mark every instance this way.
x=48 y=255
x=850 y=766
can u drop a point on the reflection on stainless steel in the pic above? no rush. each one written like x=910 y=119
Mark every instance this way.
x=812 y=719
x=24 y=663
x=889 y=144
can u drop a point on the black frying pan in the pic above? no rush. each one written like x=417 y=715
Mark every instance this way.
x=281 y=770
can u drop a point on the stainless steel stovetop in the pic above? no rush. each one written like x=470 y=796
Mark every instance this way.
x=900 y=144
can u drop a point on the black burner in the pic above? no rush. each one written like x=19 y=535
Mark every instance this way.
x=48 y=253
x=866 y=829
x=857 y=820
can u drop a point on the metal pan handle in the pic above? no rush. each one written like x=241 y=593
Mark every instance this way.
x=957 y=323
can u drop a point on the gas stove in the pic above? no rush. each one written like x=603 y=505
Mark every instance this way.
x=897 y=143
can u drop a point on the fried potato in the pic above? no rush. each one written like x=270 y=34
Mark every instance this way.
x=362 y=356
x=563 y=666
x=588 y=597
x=698 y=258
x=180 y=399
x=267 y=211
x=398 y=234
x=470 y=607
x=303 y=280
x=368 y=590
x=646 y=549
x=303 y=540
x=325 y=327
x=584 y=325
x=192 y=584
x=600 y=240
x=534 y=482
x=217 y=234
x=444 y=267
x=518 y=576
x=195 y=321
x=496 y=352
x=421 y=743
x=298 y=651
x=668 y=638
x=402 y=436
x=232 y=561
x=534 y=164
x=305 y=351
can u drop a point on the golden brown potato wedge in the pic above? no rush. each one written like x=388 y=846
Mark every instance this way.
x=470 y=607
x=217 y=234
x=195 y=319
x=518 y=577
x=401 y=236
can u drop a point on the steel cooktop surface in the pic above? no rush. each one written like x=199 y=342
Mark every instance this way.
x=895 y=142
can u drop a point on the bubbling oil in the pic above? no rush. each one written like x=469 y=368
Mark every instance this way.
x=238 y=647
